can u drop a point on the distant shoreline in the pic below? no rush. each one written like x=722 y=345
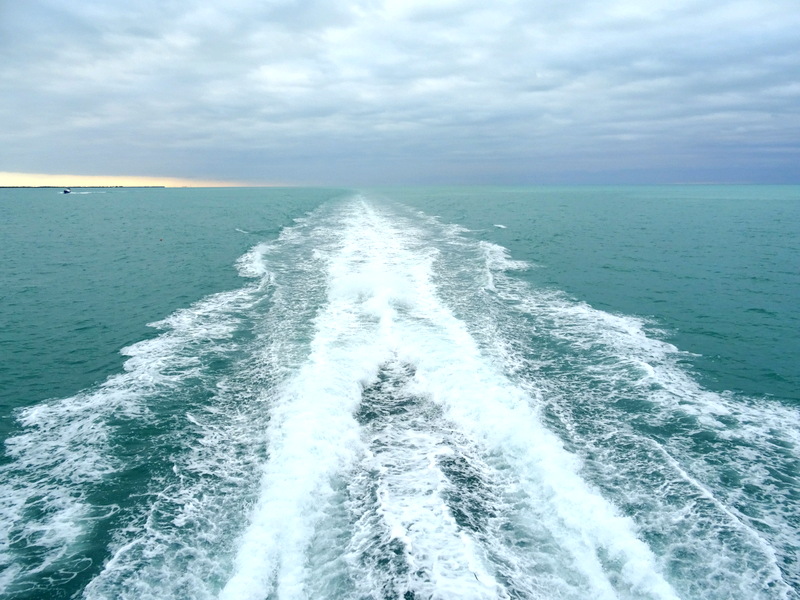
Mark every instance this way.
x=77 y=187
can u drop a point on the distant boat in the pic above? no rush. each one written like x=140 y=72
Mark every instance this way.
x=67 y=191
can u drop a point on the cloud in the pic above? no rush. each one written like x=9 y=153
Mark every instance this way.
x=402 y=92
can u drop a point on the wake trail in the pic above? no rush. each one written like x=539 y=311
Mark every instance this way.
x=383 y=307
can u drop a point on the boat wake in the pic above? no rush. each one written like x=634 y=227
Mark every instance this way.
x=386 y=410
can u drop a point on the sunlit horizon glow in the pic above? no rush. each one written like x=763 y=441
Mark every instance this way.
x=10 y=179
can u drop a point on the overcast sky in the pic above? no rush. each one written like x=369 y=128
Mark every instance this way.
x=366 y=92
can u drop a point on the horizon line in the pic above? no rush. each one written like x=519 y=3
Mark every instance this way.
x=13 y=179
x=18 y=179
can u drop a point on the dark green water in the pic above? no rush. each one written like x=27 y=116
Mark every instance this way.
x=450 y=392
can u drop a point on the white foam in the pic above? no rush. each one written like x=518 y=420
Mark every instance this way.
x=382 y=303
x=442 y=560
x=179 y=545
x=183 y=543
x=499 y=258
x=312 y=433
x=619 y=358
x=488 y=408
x=253 y=263
x=261 y=470
x=64 y=448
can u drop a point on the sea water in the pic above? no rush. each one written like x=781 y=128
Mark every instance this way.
x=400 y=393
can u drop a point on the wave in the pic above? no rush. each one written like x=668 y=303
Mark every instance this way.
x=387 y=408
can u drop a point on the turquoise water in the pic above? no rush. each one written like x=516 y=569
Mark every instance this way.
x=450 y=393
x=717 y=266
x=83 y=274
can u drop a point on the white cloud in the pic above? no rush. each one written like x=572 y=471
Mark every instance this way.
x=378 y=91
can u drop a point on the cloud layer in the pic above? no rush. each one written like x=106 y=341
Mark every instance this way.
x=403 y=91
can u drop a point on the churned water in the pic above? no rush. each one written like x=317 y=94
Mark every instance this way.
x=400 y=393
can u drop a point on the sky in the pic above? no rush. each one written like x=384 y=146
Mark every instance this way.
x=391 y=92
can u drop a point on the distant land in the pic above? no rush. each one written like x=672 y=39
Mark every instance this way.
x=45 y=180
x=75 y=187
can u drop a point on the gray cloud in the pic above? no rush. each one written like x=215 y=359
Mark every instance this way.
x=403 y=91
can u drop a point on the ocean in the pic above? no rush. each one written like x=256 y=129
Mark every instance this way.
x=412 y=393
